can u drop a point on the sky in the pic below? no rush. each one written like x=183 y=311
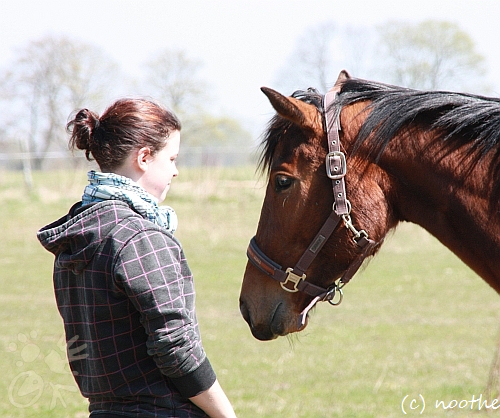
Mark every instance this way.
x=241 y=43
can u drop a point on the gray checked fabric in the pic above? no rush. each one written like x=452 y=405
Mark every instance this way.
x=126 y=294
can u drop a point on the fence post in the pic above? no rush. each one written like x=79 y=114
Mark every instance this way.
x=26 y=159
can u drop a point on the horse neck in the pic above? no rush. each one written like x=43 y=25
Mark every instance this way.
x=448 y=200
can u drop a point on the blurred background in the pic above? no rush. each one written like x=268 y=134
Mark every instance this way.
x=207 y=59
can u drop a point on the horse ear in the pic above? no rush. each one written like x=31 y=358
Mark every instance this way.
x=283 y=105
x=343 y=76
x=298 y=112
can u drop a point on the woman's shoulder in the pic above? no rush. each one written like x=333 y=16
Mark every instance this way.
x=129 y=225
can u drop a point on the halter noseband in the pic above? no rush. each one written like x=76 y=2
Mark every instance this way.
x=294 y=279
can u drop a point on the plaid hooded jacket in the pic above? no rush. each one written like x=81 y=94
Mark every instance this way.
x=126 y=296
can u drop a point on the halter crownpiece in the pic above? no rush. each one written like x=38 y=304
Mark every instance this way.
x=294 y=279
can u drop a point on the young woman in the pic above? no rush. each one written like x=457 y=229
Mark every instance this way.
x=122 y=284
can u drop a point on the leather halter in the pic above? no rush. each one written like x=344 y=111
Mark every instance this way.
x=294 y=279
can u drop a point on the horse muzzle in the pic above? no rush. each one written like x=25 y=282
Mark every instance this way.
x=272 y=325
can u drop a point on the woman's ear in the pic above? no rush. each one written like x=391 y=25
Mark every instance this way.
x=143 y=158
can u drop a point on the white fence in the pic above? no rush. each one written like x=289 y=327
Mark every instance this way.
x=188 y=157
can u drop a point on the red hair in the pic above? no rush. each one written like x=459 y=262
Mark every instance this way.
x=126 y=125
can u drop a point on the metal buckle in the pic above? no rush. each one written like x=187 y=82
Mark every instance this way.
x=361 y=234
x=294 y=278
x=343 y=166
x=331 y=295
x=357 y=234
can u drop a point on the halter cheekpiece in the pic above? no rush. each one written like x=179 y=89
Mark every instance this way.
x=294 y=279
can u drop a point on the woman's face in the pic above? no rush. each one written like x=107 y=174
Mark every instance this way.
x=161 y=168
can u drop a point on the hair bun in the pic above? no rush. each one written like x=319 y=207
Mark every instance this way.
x=83 y=130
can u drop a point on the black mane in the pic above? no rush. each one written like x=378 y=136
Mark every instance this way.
x=459 y=119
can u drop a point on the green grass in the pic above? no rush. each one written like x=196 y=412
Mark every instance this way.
x=414 y=321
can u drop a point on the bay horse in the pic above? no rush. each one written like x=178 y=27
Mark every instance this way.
x=346 y=168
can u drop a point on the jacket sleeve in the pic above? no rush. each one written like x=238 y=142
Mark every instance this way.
x=152 y=270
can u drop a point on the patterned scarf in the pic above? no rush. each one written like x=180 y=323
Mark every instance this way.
x=110 y=186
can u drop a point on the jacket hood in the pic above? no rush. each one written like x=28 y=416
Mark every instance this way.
x=75 y=238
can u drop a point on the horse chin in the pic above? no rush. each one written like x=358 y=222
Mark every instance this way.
x=263 y=333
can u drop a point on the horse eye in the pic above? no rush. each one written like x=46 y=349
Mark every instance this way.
x=282 y=183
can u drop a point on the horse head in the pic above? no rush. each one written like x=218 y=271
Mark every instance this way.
x=300 y=195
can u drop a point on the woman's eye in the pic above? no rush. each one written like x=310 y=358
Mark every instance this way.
x=282 y=183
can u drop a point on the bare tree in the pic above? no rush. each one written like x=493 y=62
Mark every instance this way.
x=174 y=80
x=321 y=52
x=49 y=79
x=428 y=55
x=310 y=63
x=174 y=77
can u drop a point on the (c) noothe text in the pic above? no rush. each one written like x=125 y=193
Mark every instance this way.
x=473 y=403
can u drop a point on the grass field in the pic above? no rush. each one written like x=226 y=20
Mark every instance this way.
x=415 y=326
